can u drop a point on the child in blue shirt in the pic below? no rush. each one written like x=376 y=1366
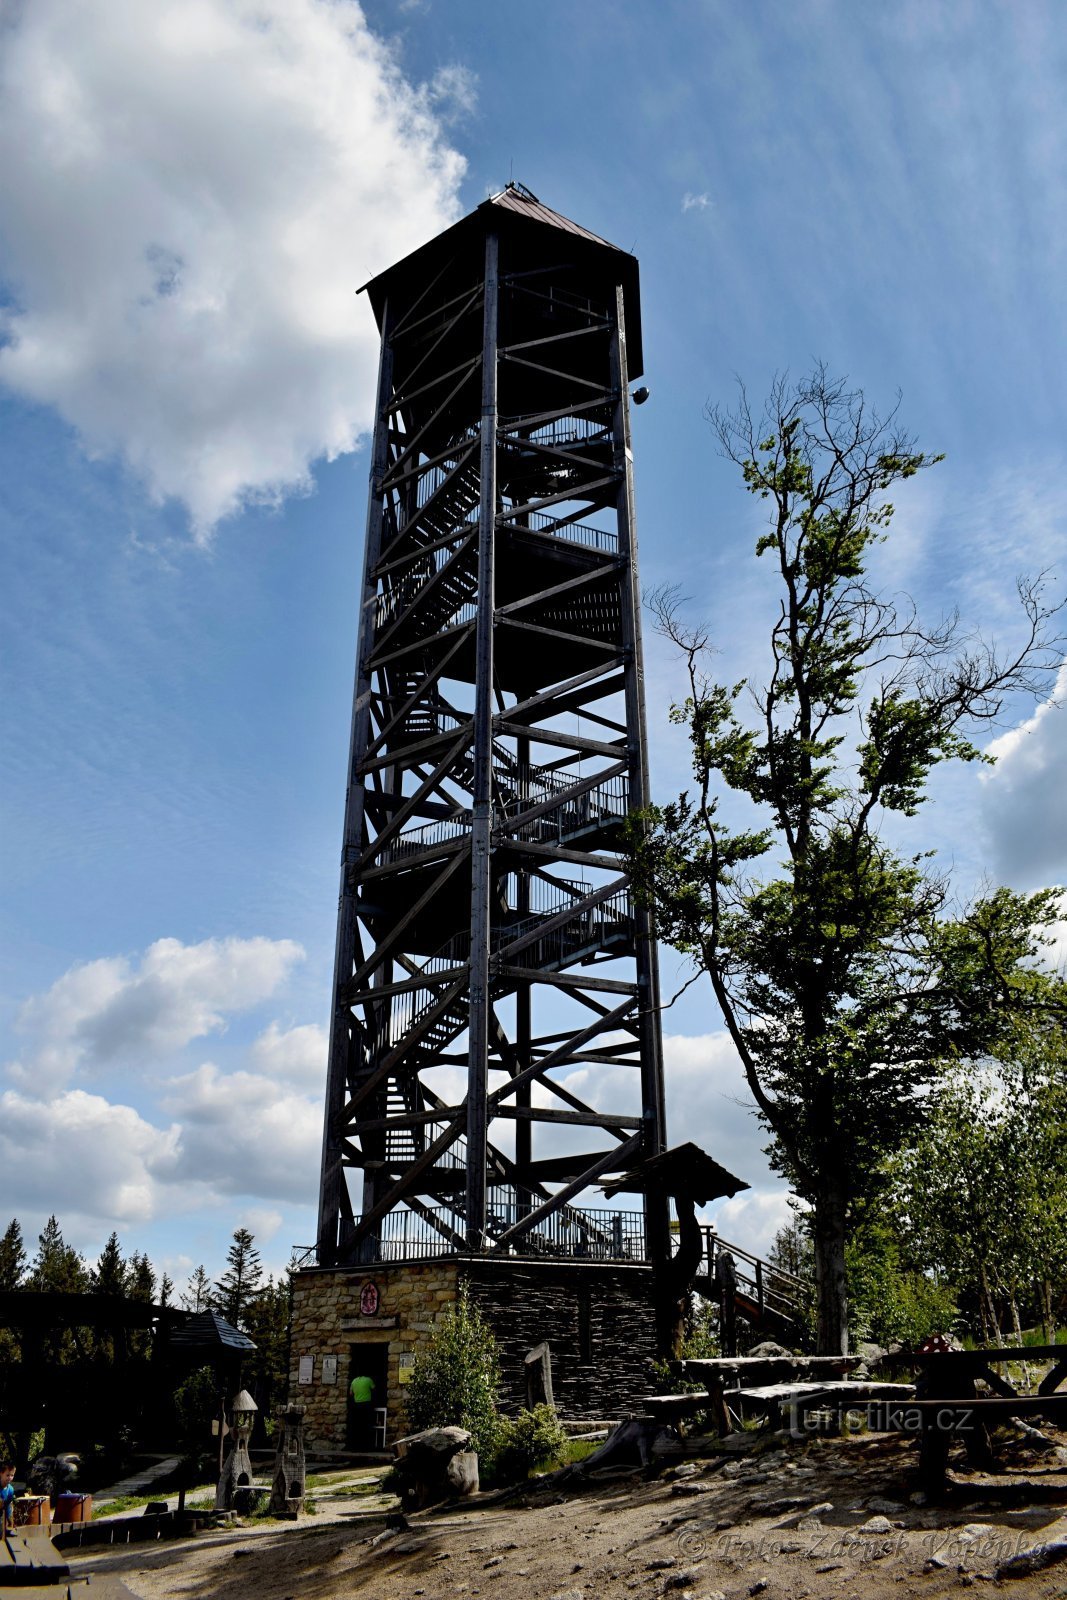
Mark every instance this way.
x=7 y=1497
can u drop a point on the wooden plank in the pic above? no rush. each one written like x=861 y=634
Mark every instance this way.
x=584 y=1119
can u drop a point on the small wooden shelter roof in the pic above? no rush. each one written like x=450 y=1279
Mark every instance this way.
x=207 y=1330
x=685 y=1171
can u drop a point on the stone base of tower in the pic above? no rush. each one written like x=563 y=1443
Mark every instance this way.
x=598 y=1320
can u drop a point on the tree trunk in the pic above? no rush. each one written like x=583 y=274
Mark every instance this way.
x=1048 y=1315
x=830 y=1287
x=675 y=1279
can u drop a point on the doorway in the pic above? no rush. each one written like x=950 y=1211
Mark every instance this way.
x=371 y=1362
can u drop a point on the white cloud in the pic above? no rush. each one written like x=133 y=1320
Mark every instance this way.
x=695 y=202
x=752 y=1219
x=1022 y=796
x=261 y=1221
x=191 y=192
x=244 y=1134
x=110 y=1010
x=84 y=1157
x=453 y=91
x=296 y=1054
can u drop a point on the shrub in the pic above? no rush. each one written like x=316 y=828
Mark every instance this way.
x=454 y=1381
x=532 y=1439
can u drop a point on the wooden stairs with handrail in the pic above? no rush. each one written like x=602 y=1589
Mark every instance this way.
x=741 y=1284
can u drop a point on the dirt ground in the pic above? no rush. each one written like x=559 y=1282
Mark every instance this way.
x=829 y=1519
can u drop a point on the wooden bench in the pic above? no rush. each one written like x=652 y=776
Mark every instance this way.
x=673 y=1407
x=797 y=1399
x=938 y=1422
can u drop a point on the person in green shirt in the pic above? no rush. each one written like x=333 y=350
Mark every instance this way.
x=361 y=1412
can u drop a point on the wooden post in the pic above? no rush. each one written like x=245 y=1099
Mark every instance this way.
x=538 y=1364
x=653 y=1104
x=482 y=815
x=333 y=1194
x=726 y=1283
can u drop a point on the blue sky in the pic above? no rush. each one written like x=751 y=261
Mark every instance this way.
x=190 y=193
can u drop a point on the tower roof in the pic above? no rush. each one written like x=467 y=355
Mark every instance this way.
x=518 y=209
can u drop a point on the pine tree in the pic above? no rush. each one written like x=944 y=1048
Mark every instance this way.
x=266 y=1320
x=166 y=1290
x=12 y=1276
x=111 y=1273
x=142 y=1278
x=57 y=1269
x=240 y=1283
x=197 y=1295
x=12 y=1258
x=57 y=1266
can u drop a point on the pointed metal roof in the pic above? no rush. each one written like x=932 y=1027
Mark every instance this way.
x=207 y=1330
x=524 y=203
x=517 y=205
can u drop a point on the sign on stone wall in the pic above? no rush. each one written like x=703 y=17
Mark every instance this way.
x=329 y=1369
x=306 y=1372
x=369 y=1300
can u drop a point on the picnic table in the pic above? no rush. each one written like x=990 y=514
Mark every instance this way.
x=948 y=1405
x=770 y=1383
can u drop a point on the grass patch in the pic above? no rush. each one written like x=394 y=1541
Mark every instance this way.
x=577 y=1450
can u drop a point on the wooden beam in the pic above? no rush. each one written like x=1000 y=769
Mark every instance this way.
x=610 y=569
x=581 y=1119
x=382 y=949
x=558 y=634
x=608 y=1161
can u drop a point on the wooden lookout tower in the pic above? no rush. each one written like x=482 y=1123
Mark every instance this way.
x=495 y=1047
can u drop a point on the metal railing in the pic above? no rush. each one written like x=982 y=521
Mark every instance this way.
x=599 y=926
x=576 y=532
x=770 y=1287
x=608 y=802
x=576 y=1233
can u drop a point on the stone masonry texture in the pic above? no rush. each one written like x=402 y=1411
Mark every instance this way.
x=598 y=1321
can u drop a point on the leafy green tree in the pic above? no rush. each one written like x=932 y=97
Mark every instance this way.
x=241 y=1281
x=982 y=1195
x=454 y=1381
x=841 y=979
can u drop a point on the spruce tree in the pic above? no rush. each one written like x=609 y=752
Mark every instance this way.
x=197 y=1295
x=12 y=1258
x=12 y=1276
x=111 y=1274
x=241 y=1281
x=57 y=1266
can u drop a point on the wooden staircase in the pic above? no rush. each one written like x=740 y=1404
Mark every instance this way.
x=740 y=1284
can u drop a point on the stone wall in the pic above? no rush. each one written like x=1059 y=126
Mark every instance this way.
x=327 y=1321
x=598 y=1320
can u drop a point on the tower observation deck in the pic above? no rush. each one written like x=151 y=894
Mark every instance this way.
x=495 y=1042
